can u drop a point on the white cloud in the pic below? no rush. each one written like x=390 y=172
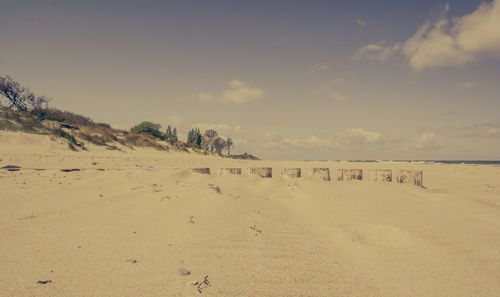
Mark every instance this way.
x=432 y=46
x=222 y=129
x=479 y=131
x=377 y=51
x=479 y=31
x=312 y=142
x=346 y=140
x=361 y=23
x=239 y=92
x=446 y=42
x=427 y=141
x=361 y=136
x=466 y=85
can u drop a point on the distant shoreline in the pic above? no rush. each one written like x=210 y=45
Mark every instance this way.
x=468 y=162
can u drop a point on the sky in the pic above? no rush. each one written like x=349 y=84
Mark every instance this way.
x=301 y=80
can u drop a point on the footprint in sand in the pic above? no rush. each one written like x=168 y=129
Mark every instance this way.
x=183 y=272
x=382 y=235
x=256 y=230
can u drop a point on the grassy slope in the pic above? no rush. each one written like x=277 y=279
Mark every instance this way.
x=77 y=130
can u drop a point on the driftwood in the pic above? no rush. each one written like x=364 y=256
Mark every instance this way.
x=264 y=172
x=201 y=170
x=415 y=177
x=70 y=170
x=381 y=175
x=291 y=172
x=350 y=174
x=224 y=171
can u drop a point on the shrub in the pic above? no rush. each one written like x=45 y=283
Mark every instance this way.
x=7 y=125
x=244 y=156
x=148 y=128
x=70 y=138
x=142 y=140
x=104 y=125
x=30 y=124
x=64 y=117
x=95 y=139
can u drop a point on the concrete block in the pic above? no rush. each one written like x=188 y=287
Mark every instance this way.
x=414 y=177
x=264 y=172
x=322 y=173
x=291 y=172
x=381 y=175
x=350 y=174
x=225 y=171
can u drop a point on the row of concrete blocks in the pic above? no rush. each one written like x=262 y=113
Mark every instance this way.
x=414 y=177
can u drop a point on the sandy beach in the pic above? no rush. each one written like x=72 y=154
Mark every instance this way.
x=201 y=148
x=141 y=223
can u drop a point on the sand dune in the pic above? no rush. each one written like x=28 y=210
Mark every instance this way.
x=141 y=223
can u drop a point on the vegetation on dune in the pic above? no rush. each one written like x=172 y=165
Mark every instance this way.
x=210 y=136
x=244 y=156
x=72 y=142
x=21 y=110
x=171 y=134
x=148 y=128
x=20 y=97
x=194 y=138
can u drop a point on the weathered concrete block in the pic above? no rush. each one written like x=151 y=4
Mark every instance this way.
x=201 y=170
x=415 y=177
x=350 y=174
x=291 y=172
x=264 y=172
x=381 y=175
x=225 y=171
x=322 y=173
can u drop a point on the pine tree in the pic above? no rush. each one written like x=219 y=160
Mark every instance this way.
x=229 y=145
x=194 y=138
x=198 y=138
x=169 y=133
x=174 y=135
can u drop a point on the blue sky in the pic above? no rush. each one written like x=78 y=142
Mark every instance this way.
x=285 y=79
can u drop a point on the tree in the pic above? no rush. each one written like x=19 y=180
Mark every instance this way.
x=20 y=97
x=171 y=134
x=194 y=138
x=219 y=145
x=174 y=136
x=229 y=145
x=205 y=145
x=211 y=136
x=148 y=128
